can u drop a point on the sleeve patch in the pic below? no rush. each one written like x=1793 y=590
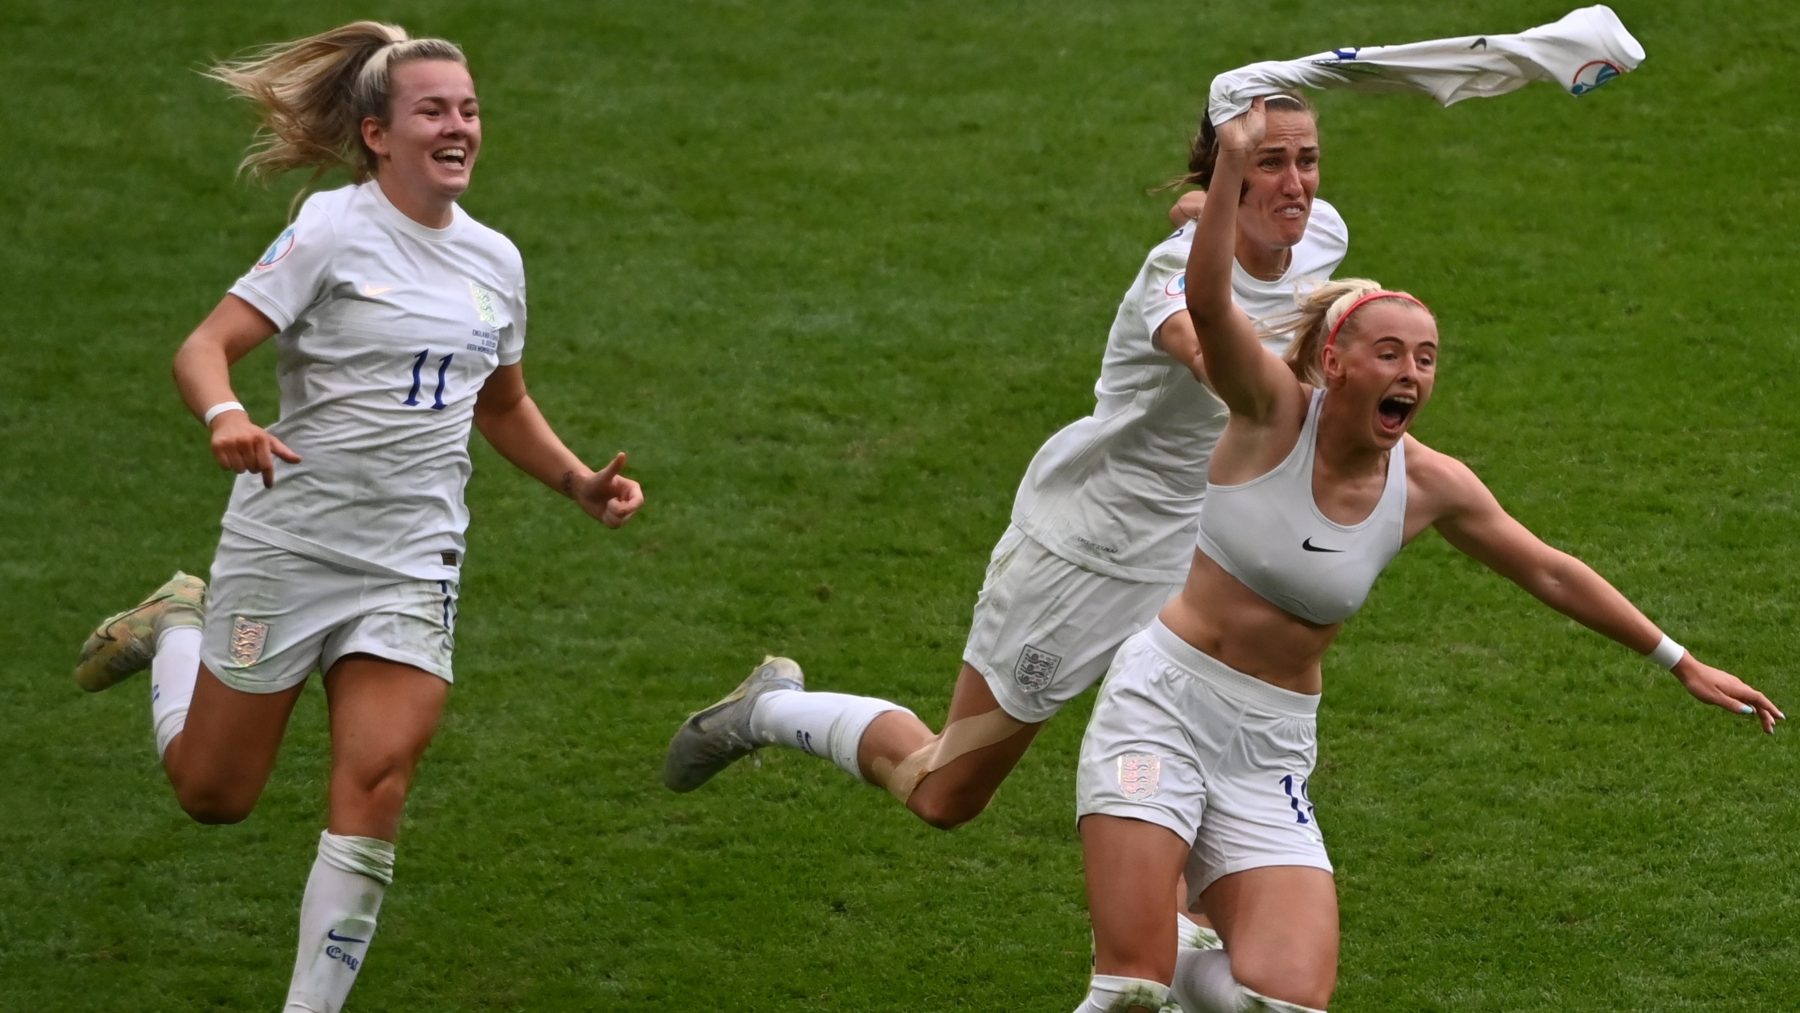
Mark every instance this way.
x=281 y=247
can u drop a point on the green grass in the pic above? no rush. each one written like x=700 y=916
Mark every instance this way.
x=831 y=273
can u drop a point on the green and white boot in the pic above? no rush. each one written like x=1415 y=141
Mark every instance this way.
x=123 y=645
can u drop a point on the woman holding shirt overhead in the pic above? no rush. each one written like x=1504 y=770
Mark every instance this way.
x=1201 y=744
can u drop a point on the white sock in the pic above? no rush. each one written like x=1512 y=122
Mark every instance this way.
x=823 y=724
x=337 y=920
x=1110 y=993
x=173 y=671
x=1191 y=935
x=1203 y=984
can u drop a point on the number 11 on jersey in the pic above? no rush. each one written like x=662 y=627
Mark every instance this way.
x=437 y=395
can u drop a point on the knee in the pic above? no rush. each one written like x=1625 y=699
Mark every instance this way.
x=1295 y=977
x=945 y=809
x=944 y=815
x=214 y=805
x=375 y=784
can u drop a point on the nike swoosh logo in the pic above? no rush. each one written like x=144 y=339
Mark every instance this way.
x=1480 y=43
x=1310 y=547
x=334 y=937
x=375 y=290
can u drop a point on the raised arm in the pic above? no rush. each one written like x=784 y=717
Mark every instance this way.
x=1250 y=380
x=1472 y=520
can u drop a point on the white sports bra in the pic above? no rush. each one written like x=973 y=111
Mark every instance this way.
x=1269 y=534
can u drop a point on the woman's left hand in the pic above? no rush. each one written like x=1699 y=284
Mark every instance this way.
x=608 y=496
x=1722 y=689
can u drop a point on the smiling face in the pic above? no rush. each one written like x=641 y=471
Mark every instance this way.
x=1279 y=184
x=425 y=151
x=1385 y=363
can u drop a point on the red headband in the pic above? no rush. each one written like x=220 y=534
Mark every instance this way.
x=1380 y=293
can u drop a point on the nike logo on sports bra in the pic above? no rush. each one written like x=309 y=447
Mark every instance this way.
x=1310 y=547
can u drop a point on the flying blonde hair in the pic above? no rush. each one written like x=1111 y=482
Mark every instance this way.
x=312 y=95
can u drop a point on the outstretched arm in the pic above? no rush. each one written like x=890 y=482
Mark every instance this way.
x=1251 y=381
x=1474 y=522
x=512 y=423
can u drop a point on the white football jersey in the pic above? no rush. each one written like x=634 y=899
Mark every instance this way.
x=1119 y=492
x=388 y=329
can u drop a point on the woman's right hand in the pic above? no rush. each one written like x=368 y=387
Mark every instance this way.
x=240 y=445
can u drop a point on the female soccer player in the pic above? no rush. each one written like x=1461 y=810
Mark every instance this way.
x=1202 y=741
x=1101 y=530
x=399 y=321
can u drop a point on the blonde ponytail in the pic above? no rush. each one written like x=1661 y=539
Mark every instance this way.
x=312 y=95
x=1320 y=310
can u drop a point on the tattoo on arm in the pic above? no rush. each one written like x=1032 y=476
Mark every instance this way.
x=568 y=483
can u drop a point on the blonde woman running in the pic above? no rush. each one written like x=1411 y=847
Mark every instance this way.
x=399 y=323
x=1203 y=739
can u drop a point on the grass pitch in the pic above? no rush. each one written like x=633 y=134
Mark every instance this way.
x=831 y=273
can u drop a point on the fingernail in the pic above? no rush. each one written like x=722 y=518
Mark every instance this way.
x=1746 y=709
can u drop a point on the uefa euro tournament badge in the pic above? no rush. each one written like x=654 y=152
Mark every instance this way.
x=1592 y=75
x=1139 y=775
x=281 y=247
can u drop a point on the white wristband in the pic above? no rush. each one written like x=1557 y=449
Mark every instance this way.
x=219 y=409
x=1668 y=653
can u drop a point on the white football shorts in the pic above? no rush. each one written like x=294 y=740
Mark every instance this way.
x=1220 y=758
x=273 y=617
x=1045 y=629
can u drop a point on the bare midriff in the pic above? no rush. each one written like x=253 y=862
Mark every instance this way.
x=1227 y=621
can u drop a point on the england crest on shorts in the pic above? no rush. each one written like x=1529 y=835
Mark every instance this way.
x=248 y=637
x=1035 y=668
x=1139 y=775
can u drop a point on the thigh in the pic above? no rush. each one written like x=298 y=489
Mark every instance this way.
x=383 y=715
x=1280 y=925
x=1131 y=867
x=1138 y=758
x=405 y=621
x=1260 y=809
x=268 y=613
x=221 y=760
x=1045 y=629
x=984 y=743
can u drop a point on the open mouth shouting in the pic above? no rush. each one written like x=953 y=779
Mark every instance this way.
x=1395 y=411
x=454 y=157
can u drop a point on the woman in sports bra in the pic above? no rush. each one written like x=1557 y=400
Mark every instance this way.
x=1201 y=743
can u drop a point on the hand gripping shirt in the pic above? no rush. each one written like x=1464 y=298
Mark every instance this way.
x=1119 y=492
x=1270 y=535
x=388 y=329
